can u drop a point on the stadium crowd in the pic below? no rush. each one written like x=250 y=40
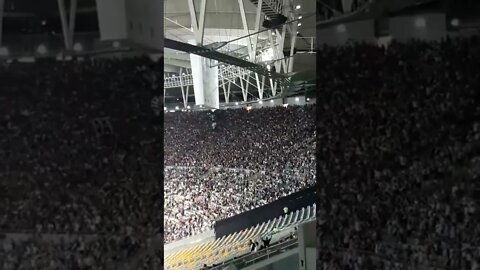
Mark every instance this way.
x=245 y=160
x=398 y=139
x=398 y=170
x=79 y=152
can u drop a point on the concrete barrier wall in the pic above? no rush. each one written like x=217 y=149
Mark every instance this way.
x=188 y=242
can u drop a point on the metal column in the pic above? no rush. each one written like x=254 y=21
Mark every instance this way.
x=2 y=5
x=63 y=19
x=71 y=25
x=68 y=24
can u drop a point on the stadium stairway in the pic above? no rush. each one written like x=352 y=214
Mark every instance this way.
x=251 y=258
x=134 y=262
x=236 y=245
x=269 y=7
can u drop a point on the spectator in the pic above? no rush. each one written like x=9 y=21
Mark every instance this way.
x=266 y=241
x=252 y=246
x=212 y=174
x=77 y=158
x=398 y=131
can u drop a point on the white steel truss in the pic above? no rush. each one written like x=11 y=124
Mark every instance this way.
x=268 y=52
x=68 y=24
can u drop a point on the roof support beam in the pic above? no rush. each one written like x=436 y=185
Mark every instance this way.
x=257 y=28
x=293 y=40
x=184 y=89
x=71 y=25
x=226 y=89
x=245 y=26
x=68 y=24
x=63 y=19
x=260 y=85
x=2 y=5
x=198 y=24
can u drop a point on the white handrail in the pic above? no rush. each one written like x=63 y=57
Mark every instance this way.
x=226 y=72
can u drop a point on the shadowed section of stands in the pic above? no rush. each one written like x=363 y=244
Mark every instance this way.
x=236 y=244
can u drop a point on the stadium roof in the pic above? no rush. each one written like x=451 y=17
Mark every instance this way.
x=223 y=24
x=42 y=17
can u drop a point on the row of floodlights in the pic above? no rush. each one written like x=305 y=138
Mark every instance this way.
x=419 y=22
x=297 y=7
x=177 y=108
x=248 y=108
x=42 y=48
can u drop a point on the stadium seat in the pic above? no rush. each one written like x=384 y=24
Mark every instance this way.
x=236 y=244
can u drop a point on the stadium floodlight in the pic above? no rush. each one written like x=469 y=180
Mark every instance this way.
x=261 y=102
x=26 y=59
x=297 y=99
x=41 y=49
x=455 y=22
x=172 y=111
x=420 y=22
x=271 y=101
x=3 y=51
x=341 y=28
x=300 y=17
x=308 y=99
x=268 y=55
x=165 y=108
x=78 y=47
x=300 y=24
x=298 y=7
x=176 y=107
x=188 y=107
x=236 y=103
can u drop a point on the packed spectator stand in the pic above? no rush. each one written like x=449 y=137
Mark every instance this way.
x=247 y=159
x=397 y=164
x=398 y=149
x=230 y=248
x=80 y=146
